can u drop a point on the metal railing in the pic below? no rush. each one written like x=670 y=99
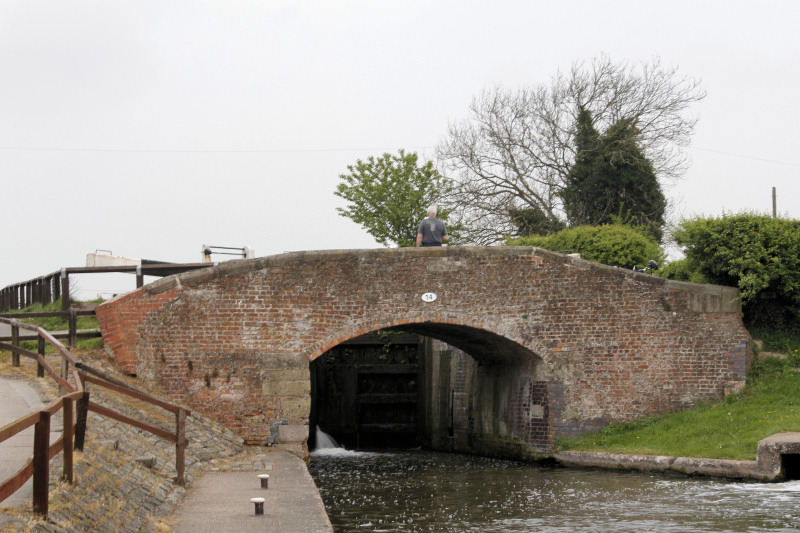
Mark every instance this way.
x=74 y=400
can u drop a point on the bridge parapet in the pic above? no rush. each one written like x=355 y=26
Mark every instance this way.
x=596 y=343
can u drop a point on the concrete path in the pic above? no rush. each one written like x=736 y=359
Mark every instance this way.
x=28 y=335
x=18 y=398
x=25 y=334
x=220 y=501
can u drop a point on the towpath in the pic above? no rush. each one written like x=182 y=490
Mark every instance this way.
x=19 y=398
x=220 y=501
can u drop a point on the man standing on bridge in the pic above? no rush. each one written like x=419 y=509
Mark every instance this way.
x=431 y=230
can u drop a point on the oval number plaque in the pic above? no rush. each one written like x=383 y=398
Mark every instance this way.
x=429 y=297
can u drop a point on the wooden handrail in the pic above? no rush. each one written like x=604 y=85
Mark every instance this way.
x=36 y=357
x=48 y=314
x=18 y=425
x=15 y=321
x=110 y=413
x=15 y=482
x=60 y=347
x=19 y=324
x=43 y=450
x=133 y=393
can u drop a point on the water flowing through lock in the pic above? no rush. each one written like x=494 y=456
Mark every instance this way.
x=416 y=491
x=325 y=441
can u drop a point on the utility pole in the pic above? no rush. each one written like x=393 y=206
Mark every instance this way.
x=774 y=204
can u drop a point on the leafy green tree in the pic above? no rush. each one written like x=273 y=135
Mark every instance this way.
x=612 y=179
x=756 y=253
x=610 y=244
x=389 y=196
x=532 y=221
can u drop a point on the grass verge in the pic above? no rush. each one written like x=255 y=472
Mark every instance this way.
x=57 y=323
x=729 y=429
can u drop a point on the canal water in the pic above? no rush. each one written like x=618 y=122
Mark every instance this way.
x=412 y=491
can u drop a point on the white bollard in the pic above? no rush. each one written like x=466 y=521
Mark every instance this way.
x=259 y=505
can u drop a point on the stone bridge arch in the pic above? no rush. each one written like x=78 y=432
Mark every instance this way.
x=484 y=393
x=563 y=345
x=482 y=337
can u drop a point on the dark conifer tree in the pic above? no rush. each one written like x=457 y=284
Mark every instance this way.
x=612 y=180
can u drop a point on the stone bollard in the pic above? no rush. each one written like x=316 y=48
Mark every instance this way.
x=264 y=480
x=259 y=505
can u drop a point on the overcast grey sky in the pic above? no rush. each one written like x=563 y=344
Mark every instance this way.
x=150 y=128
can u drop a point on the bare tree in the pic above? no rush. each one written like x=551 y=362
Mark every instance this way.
x=517 y=147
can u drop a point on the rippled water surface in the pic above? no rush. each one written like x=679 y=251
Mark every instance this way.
x=425 y=491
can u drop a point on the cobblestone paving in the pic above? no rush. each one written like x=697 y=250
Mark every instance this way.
x=116 y=489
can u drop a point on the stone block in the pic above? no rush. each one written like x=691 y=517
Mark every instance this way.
x=286 y=388
x=715 y=467
x=294 y=433
x=297 y=408
x=657 y=463
x=770 y=452
x=147 y=461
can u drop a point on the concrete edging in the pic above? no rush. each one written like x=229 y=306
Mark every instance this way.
x=768 y=465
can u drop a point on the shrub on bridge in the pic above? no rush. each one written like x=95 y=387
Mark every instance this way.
x=610 y=244
x=756 y=253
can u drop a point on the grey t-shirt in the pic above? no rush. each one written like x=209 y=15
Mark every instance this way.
x=432 y=230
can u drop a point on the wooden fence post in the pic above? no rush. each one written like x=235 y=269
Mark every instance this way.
x=64 y=374
x=180 y=445
x=68 y=440
x=64 y=290
x=14 y=342
x=39 y=367
x=41 y=463
x=73 y=327
x=80 y=423
x=56 y=287
x=48 y=289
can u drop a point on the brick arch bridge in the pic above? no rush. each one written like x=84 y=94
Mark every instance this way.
x=557 y=345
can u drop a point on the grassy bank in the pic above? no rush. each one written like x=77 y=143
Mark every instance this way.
x=729 y=429
x=58 y=323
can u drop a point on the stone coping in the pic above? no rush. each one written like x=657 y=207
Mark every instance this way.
x=768 y=465
x=704 y=298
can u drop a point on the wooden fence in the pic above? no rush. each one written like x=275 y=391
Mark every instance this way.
x=72 y=334
x=74 y=400
x=50 y=287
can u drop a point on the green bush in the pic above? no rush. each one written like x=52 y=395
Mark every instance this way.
x=756 y=253
x=610 y=244
x=679 y=270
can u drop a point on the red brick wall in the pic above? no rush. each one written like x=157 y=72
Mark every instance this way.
x=603 y=344
x=120 y=321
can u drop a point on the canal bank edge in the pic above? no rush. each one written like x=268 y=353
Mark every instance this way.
x=125 y=477
x=768 y=466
